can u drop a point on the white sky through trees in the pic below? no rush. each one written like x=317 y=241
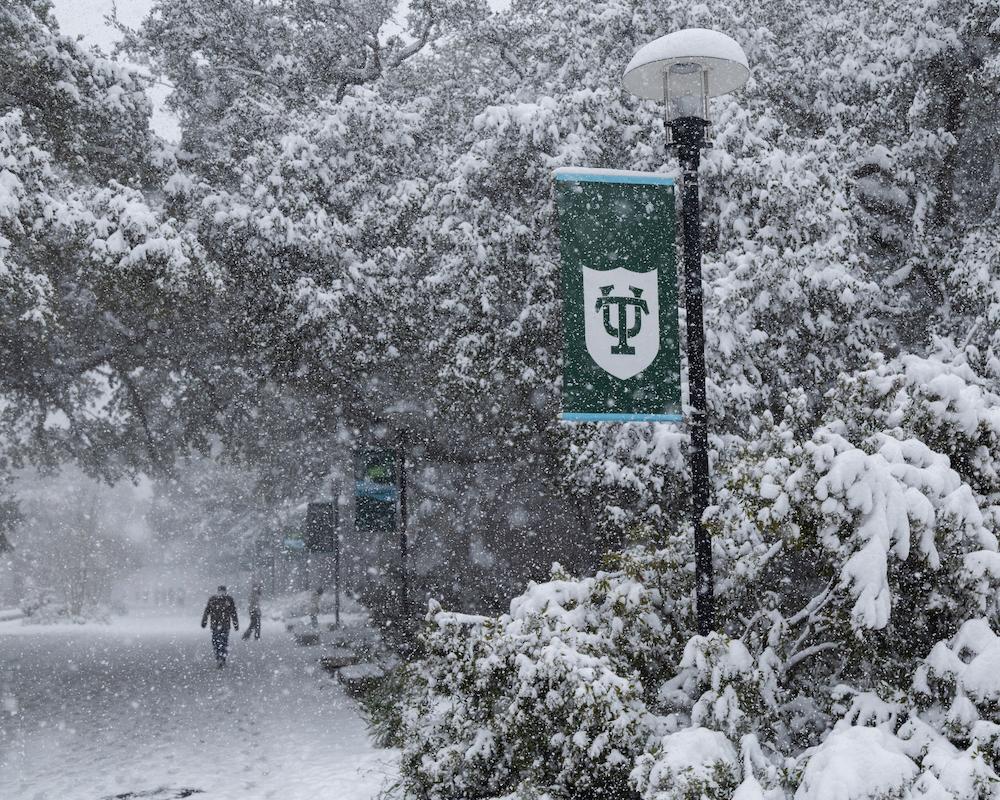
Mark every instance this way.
x=86 y=18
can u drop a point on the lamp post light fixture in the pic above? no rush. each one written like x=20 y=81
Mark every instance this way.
x=684 y=69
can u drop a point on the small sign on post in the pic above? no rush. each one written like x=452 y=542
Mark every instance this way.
x=376 y=490
x=622 y=355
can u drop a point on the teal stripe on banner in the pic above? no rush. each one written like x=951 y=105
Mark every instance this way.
x=572 y=416
x=581 y=177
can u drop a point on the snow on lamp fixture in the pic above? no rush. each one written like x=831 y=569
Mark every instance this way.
x=684 y=69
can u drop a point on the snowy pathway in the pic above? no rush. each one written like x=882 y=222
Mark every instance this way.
x=137 y=709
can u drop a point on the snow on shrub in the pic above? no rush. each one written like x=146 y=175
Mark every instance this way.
x=720 y=685
x=957 y=691
x=855 y=763
x=856 y=542
x=686 y=765
x=882 y=498
x=854 y=560
x=551 y=696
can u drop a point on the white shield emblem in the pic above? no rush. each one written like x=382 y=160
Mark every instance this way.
x=621 y=312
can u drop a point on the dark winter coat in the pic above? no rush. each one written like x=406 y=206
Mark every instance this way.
x=221 y=609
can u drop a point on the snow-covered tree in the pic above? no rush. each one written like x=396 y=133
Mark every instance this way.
x=323 y=228
x=391 y=238
x=96 y=284
x=241 y=69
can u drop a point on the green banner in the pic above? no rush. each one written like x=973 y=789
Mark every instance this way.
x=622 y=357
x=376 y=489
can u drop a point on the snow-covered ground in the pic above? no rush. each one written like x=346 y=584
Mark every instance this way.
x=138 y=709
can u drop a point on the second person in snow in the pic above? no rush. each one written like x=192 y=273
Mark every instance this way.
x=254 y=626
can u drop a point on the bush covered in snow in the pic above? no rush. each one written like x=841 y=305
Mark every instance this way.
x=586 y=689
x=555 y=693
x=858 y=572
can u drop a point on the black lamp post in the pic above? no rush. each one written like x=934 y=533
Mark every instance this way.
x=403 y=418
x=684 y=69
x=404 y=604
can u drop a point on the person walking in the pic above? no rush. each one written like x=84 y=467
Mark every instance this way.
x=254 y=626
x=314 y=601
x=221 y=610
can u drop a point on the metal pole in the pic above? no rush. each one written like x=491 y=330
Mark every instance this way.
x=336 y=553
x=689 y=138
x=402 y=524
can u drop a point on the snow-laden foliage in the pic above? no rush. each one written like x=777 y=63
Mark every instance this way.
x=241 y=69
x=858 y=573
x=93 y=277
x=860 y=581
x=566 y=675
